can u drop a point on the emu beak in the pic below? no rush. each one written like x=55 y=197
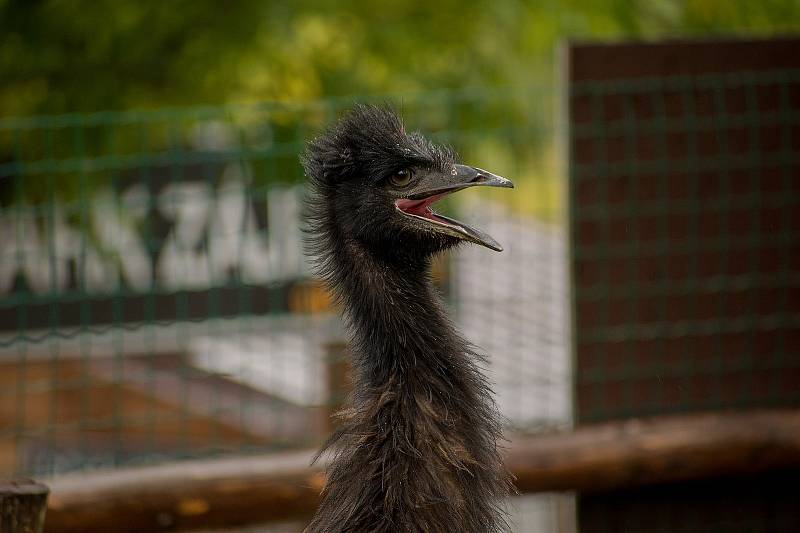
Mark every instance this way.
x=435 y=186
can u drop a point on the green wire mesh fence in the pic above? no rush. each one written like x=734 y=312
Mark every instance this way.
x=155 y=303
x=685 y=252
x=686 y=242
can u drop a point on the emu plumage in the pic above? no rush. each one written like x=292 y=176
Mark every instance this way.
x=416 y=450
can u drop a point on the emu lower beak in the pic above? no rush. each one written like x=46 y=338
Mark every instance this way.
x=436 y=186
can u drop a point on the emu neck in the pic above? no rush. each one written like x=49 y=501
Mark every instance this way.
x=396 y=320
x=416 y=447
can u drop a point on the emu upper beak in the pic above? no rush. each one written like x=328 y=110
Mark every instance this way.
x=435 y=186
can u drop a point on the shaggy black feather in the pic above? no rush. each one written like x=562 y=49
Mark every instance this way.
x=417 y=448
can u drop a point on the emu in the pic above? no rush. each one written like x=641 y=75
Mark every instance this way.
x=417 y=446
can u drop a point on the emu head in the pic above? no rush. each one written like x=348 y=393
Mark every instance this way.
x=374 y=183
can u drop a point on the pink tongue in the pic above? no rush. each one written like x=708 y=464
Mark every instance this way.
x=415 y=207
x=418 y=207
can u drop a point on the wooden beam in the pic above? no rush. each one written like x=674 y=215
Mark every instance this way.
x=658 y=450
x=22 y=506
x=187 y=495
x=231 y=492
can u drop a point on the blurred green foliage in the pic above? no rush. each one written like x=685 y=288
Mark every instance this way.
x=75 y=56
x=79 y=55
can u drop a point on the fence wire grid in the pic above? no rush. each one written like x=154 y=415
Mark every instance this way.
x=686 y=244
x=685 y=253
x=155 y=303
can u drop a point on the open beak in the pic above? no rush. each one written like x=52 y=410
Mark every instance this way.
x=436 y=186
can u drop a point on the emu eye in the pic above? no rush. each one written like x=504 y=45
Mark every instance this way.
x=401 y=178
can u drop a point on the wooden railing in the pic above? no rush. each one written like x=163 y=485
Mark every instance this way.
x=230 y=492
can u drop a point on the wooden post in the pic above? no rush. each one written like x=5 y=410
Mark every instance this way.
x=22 y=506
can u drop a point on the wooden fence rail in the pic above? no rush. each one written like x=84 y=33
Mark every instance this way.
x=230 y=492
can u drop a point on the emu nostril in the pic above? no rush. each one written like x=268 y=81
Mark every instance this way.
x=477 y=179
